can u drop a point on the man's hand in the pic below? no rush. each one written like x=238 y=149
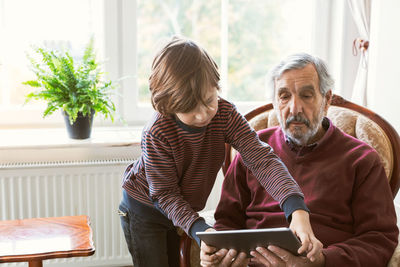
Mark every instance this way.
x=301 y=227
x=210 y=256
x=278 y=257
x=224 y=258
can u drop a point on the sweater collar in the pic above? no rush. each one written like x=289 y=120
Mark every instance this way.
x=189 y=128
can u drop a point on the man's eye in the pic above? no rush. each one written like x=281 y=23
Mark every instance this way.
x=284 y=97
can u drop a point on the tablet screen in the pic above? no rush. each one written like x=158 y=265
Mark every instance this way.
x=249 y=239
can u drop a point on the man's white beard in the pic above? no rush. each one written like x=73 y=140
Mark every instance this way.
x=297 y=136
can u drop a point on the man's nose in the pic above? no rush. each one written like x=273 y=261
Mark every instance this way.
x=295 y=106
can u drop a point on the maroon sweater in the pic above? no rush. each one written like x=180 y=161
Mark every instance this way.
x=345 y=188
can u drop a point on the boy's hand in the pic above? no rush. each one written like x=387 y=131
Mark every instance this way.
x=301 y=227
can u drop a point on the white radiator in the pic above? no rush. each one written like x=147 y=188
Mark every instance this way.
x=70 y=188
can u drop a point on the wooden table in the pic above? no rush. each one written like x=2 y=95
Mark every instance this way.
x=38 y=239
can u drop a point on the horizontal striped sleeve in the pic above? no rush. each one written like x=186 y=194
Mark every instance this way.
x=260 y=158
x=163 y=180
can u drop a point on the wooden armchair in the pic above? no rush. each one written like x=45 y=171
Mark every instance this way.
x=351 y=118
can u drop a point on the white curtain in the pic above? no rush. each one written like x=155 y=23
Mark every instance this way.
x=361 y=11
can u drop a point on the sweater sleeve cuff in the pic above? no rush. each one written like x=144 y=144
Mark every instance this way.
x=291 y=204
x=199 y=225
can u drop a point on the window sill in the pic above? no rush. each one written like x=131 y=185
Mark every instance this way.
x=28 y=147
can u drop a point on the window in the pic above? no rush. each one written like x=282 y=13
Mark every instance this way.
x=25 y=23
x=257 y=35
x=245 y=37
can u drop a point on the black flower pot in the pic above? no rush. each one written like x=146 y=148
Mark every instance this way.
x=81 y=128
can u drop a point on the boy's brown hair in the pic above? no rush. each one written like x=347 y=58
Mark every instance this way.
x=182 y=73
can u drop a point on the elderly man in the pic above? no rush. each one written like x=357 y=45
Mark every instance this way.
x=343 y=180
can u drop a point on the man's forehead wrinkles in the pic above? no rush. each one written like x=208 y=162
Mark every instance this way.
x=284 y=88
x=307 y=87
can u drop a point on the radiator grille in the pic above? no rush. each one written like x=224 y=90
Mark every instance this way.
x=69 y=188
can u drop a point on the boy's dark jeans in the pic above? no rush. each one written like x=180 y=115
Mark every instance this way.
x=151 y=237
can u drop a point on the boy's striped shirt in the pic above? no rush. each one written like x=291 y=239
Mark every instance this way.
x=179 y=164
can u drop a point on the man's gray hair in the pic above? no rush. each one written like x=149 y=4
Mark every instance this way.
x=299 y=61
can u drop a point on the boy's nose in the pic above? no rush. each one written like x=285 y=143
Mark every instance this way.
x=201 y=114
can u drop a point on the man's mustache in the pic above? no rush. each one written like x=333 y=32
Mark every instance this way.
x=297 y=118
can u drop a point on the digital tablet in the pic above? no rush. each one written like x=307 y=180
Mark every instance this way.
x=247 y=240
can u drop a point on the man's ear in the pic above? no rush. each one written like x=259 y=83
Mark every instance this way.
x=328 y=100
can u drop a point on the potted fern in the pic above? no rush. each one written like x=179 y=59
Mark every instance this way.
x=75 y=88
